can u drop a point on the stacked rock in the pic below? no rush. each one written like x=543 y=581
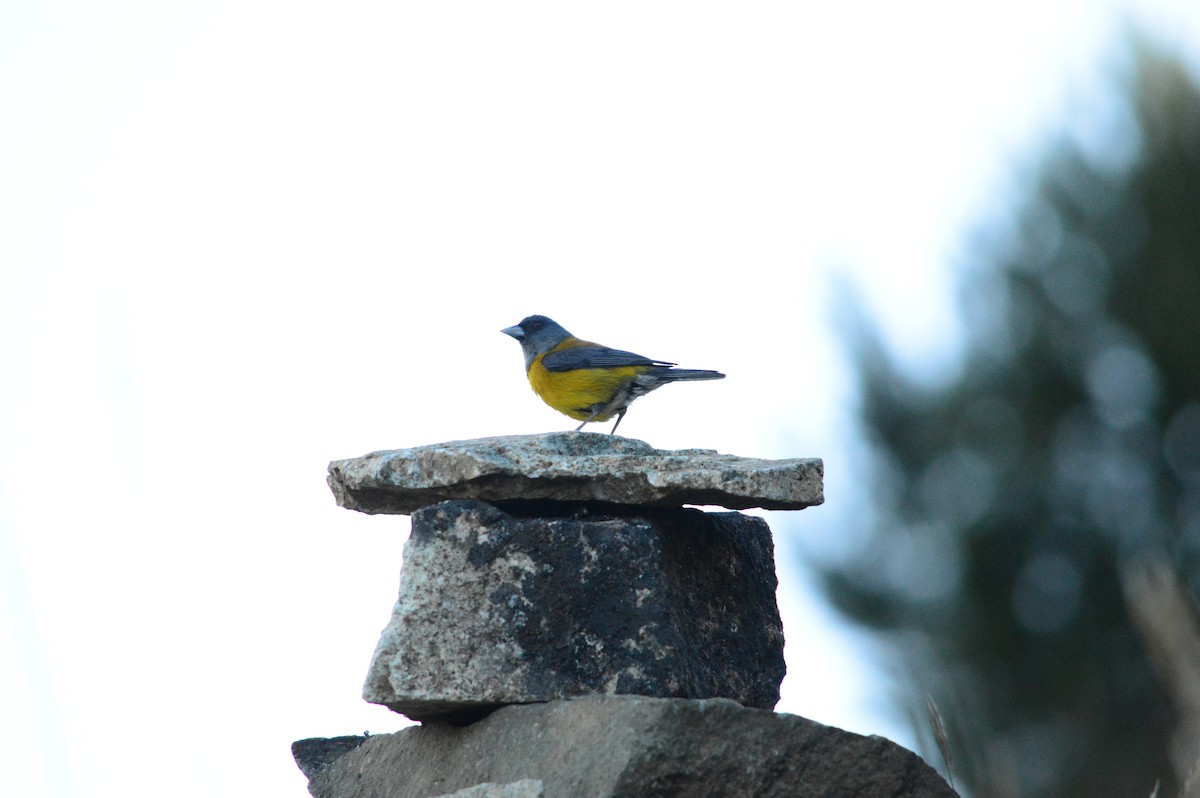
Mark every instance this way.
x=566 y=627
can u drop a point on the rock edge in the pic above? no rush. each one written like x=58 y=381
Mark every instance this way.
x=571 y=467
x=609 y=746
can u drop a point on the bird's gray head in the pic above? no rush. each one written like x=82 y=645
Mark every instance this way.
x=537 y=335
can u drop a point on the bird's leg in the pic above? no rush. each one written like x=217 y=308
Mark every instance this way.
x=620 y=416
x=598 y=409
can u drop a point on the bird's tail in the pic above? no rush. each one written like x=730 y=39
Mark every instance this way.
x=673 y=375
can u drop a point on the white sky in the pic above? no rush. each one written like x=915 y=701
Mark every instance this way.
x=240 y=239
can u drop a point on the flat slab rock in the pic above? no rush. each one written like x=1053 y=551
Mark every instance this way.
x=499 y=609
x=632 y=747
x=576 y=467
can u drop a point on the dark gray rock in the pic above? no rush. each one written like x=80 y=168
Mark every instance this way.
x=498 y=609
x=579 y=467
x=315 y=753
x=633 y=747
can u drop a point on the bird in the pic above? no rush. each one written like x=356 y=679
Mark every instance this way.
x=587 y=381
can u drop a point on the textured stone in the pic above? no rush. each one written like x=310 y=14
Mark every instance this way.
x=315 y=753
x=633 y=747
x=525 y=788
x=570 y=467
x=498 y=609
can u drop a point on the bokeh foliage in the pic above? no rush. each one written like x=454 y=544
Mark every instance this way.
x=1008 y=501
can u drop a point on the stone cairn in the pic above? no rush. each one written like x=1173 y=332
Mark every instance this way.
x=566 y=628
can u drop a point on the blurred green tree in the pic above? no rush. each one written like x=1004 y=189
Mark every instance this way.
x=1008 y=502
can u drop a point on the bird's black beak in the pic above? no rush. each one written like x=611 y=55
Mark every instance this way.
x=515 y=331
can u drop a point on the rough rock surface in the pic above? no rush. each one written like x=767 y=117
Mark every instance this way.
x=570 y=467
x=315 y=753
x=498 y=609
x=525 y=788
x=633 y=747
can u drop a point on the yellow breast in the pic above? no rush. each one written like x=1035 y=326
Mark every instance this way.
x=576 y=392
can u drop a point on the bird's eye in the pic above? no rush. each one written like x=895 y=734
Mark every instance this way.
x=537 y=325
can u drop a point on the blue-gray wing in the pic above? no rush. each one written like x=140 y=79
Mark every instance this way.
x=595 y=357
